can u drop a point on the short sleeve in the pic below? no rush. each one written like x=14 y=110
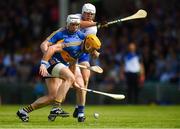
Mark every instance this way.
x=83 y=57
x=55 y=36
x=81 y=35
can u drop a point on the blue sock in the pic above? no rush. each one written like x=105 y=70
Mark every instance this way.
x=80 y=111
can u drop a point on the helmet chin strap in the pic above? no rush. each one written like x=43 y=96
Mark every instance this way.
x=71 y=32
x=83 y=48
x=68 y=28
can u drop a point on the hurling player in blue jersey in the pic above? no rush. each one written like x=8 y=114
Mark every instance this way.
x=68 y=53
x=53 y=84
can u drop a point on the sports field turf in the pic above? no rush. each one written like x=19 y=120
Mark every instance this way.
x=109 y=117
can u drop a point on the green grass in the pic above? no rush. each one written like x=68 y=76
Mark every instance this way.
x=109 y=117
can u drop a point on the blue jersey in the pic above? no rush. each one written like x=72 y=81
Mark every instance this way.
x=70 y=53
x=132 y=62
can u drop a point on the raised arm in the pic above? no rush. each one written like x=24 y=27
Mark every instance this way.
x=85 y=24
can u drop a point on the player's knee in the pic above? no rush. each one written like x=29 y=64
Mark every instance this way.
x=79 y=77
x=51 y=97
x=70 y=79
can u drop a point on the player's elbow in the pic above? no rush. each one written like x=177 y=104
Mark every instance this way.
x=51 y=49
x=44 y=46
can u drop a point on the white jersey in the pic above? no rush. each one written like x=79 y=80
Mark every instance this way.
x=88 y=30
x=132 y=63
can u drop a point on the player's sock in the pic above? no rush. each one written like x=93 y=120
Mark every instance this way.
x=80 y=111
x=56 y=104
x=57 y=111
x=81 y=116
x=28 y=109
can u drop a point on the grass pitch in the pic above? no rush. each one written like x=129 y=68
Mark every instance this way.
x=109 y=117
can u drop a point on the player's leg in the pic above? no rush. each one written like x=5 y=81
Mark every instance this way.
x=82 y=78
x=80 y=96
x=52 y=86
x=67 y=80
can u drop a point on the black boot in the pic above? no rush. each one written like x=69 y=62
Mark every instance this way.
x=57 y=112
x=75 y=113
x=81 y=119
x=23 y=115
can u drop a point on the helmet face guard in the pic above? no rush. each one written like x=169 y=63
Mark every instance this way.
x=91 y=43
x=73 y=19
x=73 y=23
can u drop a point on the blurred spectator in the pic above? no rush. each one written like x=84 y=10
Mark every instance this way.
x=39 y=87
x=2 y=67
x=133 y=69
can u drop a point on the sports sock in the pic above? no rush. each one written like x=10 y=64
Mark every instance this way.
x=28 y=109
x=80 y=111
x=56 y=104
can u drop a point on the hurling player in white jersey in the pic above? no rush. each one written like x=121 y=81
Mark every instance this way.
x=88 y=26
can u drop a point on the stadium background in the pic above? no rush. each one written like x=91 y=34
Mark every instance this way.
x=25 y=24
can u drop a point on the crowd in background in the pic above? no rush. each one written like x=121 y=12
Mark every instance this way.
x=25 y=24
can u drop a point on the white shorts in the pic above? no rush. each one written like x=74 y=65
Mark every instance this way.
x=54 y=70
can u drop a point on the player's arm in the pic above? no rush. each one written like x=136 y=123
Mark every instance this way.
x=52 y=39
x=51 y=50
x=44 y=46
x=47 y=55
x=85 y=24
x=142 y=73
x=51 y=45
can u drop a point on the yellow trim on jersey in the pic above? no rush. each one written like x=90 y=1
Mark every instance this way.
x=66 y=57
x=72 y=44
x=60 y=41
